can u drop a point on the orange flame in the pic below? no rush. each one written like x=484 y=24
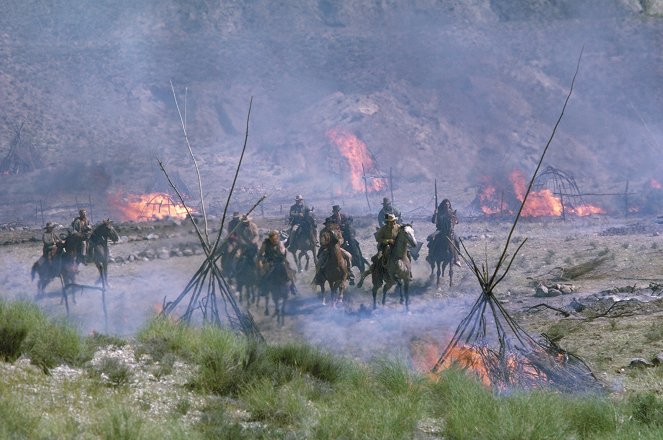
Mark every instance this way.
x=655 y=184
x=541 y=203
x=358 y=158
x=146 y=207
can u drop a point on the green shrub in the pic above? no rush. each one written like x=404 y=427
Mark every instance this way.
x=17 y=320
x=647 y=409
x=116 y=372
x=54 y=343
x=309 y=360
x=121 y=424
x=25 y=330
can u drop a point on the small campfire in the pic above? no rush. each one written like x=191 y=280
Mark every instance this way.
x=147 y=207
x=359 y=161
x=554 y=194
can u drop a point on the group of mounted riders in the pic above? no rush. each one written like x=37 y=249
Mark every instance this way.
x=80 y=226
x=243 y=245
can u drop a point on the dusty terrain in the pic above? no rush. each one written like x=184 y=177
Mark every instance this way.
x=601 y=260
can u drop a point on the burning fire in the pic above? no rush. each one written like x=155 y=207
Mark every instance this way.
x=541 y=203
x=145 y=207
x=358 y=158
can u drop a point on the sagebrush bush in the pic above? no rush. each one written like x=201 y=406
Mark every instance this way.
x=46 y=342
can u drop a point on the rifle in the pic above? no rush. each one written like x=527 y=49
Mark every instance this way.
x=435 y=211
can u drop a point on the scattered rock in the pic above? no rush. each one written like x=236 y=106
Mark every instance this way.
x=658 y=360
x=640 y=363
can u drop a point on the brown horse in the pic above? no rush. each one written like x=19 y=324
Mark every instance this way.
x=334 y=272
x=246 y=275
x=440 y=252
x=397 y=270
x=278 y=282
x=302 y=240
x=61 y=265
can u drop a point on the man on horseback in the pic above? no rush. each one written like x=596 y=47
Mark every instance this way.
x=388 y=208
x=350 y=243
x=445 y=219
x=51 y=241
x=273 y=252
x=295 y=217
x=386 y=237
x=81 y=226
x=329 y=235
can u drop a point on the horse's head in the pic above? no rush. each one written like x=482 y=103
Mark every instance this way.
x=408 y=230
x=106 y=230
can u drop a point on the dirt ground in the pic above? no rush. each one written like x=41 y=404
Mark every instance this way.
x=612 y=267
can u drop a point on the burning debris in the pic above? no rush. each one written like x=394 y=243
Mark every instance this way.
x=359 y=160
x=147 y=207
x=490 y=343
x=554 y=194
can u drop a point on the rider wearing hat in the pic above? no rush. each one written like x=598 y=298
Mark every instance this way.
x=327 y=233
x=50 y=240
x=386 y=237
x=445 y=219
x=81 y=226
x=296 y=217
x=388 y=208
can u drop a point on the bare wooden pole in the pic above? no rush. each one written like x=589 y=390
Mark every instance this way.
x=626 y=200
x=391 y=186
x=495 y=278
x=195 y=163
x=365 y=187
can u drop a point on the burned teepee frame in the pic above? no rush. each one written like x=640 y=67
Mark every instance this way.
x=491 y=342
x=208 y=291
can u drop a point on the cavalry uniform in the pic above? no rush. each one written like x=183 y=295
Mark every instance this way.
x=50 y=240
x=445 y=219
x=81 y=225
x=327 y=235
x=388 y=208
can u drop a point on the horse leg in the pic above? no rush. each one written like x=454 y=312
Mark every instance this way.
x=307 y=258
x=322 y=292
x=401 y=300
x=406 y=290
x=439 y=272
x=297 y=262
x=451 y=275
x=266 y=303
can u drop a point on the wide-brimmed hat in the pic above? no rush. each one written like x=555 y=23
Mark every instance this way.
x=336 y=208
x=328 y=221
x=49 y=225
x=236 y=214
x=390 y=218
x=386 y=201
x=299 y=197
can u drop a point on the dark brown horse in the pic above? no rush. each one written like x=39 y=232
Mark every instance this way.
x=301 y=242
x=278 y=282
x=441 y=253
x=61 y=265
x=246 y=275
x=98 y=249
x=335 y=272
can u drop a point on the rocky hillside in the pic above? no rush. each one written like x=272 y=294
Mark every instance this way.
x=448 y=90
